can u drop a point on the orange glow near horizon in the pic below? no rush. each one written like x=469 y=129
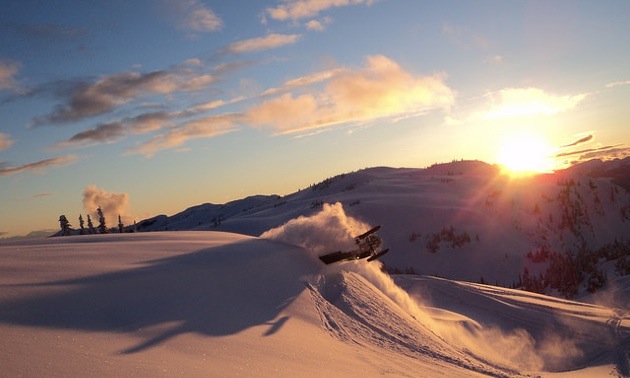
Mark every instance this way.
x=526 y=155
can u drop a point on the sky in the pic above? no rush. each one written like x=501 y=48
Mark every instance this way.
x=150 y=107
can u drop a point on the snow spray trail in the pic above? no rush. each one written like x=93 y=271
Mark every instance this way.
x=331 y=230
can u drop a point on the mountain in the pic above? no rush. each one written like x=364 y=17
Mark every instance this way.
x=618 y=170
x=200 y=304
x=463 y=220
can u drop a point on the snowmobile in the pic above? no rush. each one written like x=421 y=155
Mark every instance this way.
x=367 y=245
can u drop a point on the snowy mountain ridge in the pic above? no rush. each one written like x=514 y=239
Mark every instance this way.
x=461 y=220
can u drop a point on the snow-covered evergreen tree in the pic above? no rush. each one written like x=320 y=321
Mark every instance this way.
x=91 y=228
x=65 y=225
x=82 y=224
x=102 y=226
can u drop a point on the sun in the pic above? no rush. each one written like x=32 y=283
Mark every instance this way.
x=525 y=155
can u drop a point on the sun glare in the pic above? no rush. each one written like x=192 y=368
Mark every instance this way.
x=525 y=155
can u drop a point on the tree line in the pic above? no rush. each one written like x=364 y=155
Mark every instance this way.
x=66 y=227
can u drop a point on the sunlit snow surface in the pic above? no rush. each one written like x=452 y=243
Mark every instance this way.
x=220 y=304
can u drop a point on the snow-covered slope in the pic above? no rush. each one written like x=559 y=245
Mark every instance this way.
x=461 y=220
x=221 y=304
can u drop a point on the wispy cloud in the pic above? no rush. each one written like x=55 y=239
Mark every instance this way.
x=208 y=127
x=580 y=141
x=200 y=108
x=267 y=42
x=44 y=31
x=303 y=81
x=523 y=102
x=5 y=141
x=294 y=10
x=88 y=99
x=380 y=89
x=8 y=70
x=192 y=15
x=39 y=166
x=105 y=132
x=42 y=195
x=495 y=59
x=617 y=84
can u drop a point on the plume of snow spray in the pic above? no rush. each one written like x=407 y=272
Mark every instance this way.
x=332 y=230
x=327 y=231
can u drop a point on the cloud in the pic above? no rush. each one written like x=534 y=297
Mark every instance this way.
x=192 y=15
x=298 y=9
x=5 y=141
x=37 y=166
x=42 y=195
x=495 y=59
x=90 y=99
x=267 y=42
x=617 y=84
x=524 y=102
x=112 y=204
x=8 y=70
x=286 y=114
x=199 y=108
x=303 y=81
x=380 y=89
x=45 y=32
x=317 y=25
x=113 y=131
x=579 y=141
x=201 y=128
x=102 y=133
x=149 y=122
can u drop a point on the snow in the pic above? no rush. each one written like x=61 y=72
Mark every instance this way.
x=222 y=304
x=238 y=290
x=504 y=219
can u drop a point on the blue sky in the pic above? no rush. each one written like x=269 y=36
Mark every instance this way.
x=149 y=107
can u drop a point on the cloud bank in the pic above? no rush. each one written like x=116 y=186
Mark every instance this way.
x=380 y=89
x=112 y=204
x=89 y=99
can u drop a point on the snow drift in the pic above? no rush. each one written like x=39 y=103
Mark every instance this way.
x=212 y=303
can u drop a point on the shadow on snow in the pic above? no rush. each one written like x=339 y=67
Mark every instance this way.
x=215 y=291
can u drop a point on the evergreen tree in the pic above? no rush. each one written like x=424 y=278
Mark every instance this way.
x=65 y=225
x=91 y=228
x=120 y=225
x=102 y=226
x=81 y=224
